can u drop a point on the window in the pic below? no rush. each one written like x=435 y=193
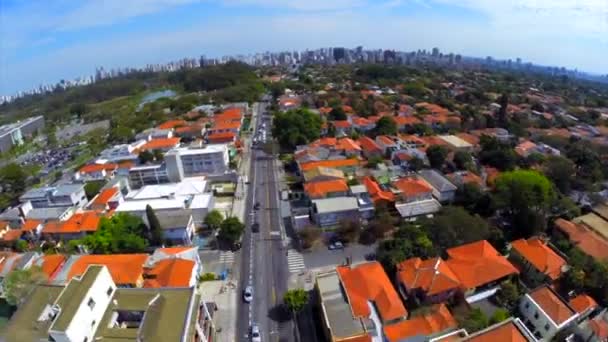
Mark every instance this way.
x=546 y=327
x=536 y=315
x=109 y=292
x=93 y=323
x=527 y=306
x=91 y=303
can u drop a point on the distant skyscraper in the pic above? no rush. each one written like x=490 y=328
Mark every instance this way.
x=435 y=52
x=339 y=53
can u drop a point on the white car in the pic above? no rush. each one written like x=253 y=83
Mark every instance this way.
x=248 y=294
x=255 y=333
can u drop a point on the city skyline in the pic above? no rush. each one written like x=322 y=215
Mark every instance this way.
x=64 y=41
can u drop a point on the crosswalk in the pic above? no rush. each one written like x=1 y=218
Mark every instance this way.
x=295 y=261
x=226 y=257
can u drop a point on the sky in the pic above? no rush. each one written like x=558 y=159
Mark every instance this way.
x=43 y=41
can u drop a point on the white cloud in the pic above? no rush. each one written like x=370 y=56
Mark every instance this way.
x=300 y=5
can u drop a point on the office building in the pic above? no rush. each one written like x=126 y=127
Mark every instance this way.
x=147 y=175
x=14 y=134
x=191 y=162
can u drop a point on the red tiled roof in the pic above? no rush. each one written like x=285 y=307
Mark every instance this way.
x=406 y=120
x=172 y=124
x=164 y=143
x=412 y=186
x=174 y=250
x=332 y=163
x=599 y=328
x=376 y=193
x=385 y=140
x=169 y=273
x=341 y=123
x=439 y=320
x=221 y=137
x=432 y=276
x=368 y=282
x=552 y=305
x=323 y=188
x=347 y=144
x=368 y=145
x=124 y=268
x=470 y=138
x=504 y=332
x=225 y=125
x=524 y=148
x=90 y=168
x=582 y=303
x=86 y=221
x=360 y=121
x=229 y=114
x=543 y=258
x=586 y=240
x=11 y=235
x=51 y=263
x=105 y=196
x=478 y=263
x=30 y=225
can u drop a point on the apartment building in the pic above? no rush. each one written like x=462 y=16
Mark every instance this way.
x=192 y=162
x=148 y=175
x=66 y=195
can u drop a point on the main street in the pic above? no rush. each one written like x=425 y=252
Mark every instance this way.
x=263 y=262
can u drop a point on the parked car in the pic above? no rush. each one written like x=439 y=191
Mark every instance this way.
x=336 y=245
x=256 y=206
x=255 y=333
x=255 y=227
x=248 y=294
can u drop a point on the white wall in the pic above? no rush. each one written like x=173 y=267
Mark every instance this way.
x=543 y=324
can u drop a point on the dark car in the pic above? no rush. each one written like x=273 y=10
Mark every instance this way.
x=256 y=206
x=255 y=227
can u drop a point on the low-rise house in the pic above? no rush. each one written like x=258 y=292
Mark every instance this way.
x=366 y=204
x=323 y=174
x=162 y=144
x=362 y=124
x=326 y=189
x=76 y=227
x=48 y=214
x=414 y=197
x=171 y=273
x=457 y=144
x=460 y=178
x=387 y=144
x=588 y=241
x=480 y=269
x=66 y=195
x=438 y=322
x=426 y=281
x=329 y=212
x=510 y=330
x=345 y=165
x=358 y=303
x=110 y=312
x=178 y=227
x=378 y=195
x=500 y=134
x=538 y=263
x=221 y=138
x=405 y=122
x=370 y=148
x=96 y=171
x=126 y=270
x=180 y=252
x=545 y=313
x=584 y=305
x=32 y=229
x=107 y=199
x=342 y=127
x=525 y=148
x=443 y=190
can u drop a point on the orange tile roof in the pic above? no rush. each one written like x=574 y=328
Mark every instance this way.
x=385 y=140
x=599 y=328
x=30 y=225
x=221 y=137
x=90 y=168
x=582 y=303
x=543 y=258
x=189 y=129
x=552 y=305
x=465 y=177
x=525 y=147
x=433 y=108
x=126 y=165
x=406 y=120
x=586 y=240
x=323 y=188
x=492 y=173
x=230 y=113
x=174 y=250
x=341 y=123
x=348 y=144
x=403 y=156
x=347 y=109
x=332 y=163
x=51 y=263
x=3 y=225
x=411 y=139
x=105 y=196
x=368 y=144
x=505 y=332
x=172 y=124
x=324 y=142
x=376 y=193
x=360 y=121
x=86 y=221
x=164 y=143
x=225 y=125
x=432 y=276
x=478 y=263
x=124 y=268
x=412 y=186
x=434 y=140
x=439 y=320
x=169 y=273
x=470 y=138
x=11 y=235
x=368 y=282
x=325 y=110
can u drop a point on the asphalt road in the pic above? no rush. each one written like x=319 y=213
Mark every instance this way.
x=263 y=263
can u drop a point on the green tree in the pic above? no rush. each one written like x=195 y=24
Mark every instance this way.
x=122 y=233
x=473 y=321
x=436 y=155
x=337 y=113
x=296 y=127
x=496 y=153
x=525 y=196
x=92 y=188
x=498 y=316
x=415 y=164
x=158 y=155
x=231 y=230
x=386 y=126
x=454 y=226
x=349 y=230
x=463 y=160
x=13 y=179
x=408 y=241
x=214 y=219
x=156 y=231
x=502 y=112
x=18 y=284
x=561 y=171
x=308 y=236
x=565 y=207
x=145 y=157
x=295 y=300
x=508 y=295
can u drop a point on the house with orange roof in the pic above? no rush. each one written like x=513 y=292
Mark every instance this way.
x=345 y=165
x=432 y=108
x=435 y=323
x=460 y=178
x=326 y=189
x=171 y=273
x=31 y=228
x=172 y=124
x=378 y=194
x=537 y=262
x=77 y=226
x=50 y=264
x=224 y=127
x=387 y=144
x=352 y=297
x=96 y=171
x=9 y=237
x=426 y=281
x=191 y=131
x=343 y=127
x=163 y=145
x=470 y=138
x=406 y=122
x=585 y=239
x=545 y=313
x=583 y=304
x=361 y=123
x=414 y=197
x=126 y=269
x=480 y=268
x=525 y=148
x=510 y=330
x=220 y=138
x=369 y=147
x=107 y=199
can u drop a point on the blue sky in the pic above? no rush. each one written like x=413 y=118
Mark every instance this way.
x=43 y=41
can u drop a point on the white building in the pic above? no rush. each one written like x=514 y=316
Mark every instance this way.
x=192 y=162
x=545 y=314
x=123 y=152
x=148 y=175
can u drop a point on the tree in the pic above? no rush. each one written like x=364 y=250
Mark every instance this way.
x=474 y=200
x=12 y=178
x=308 y=236
x=145 y=157
x=463 y=160
x=408 y=241
x=565 y=207
x=156 y=231
x=373 y=161
x=121 y=233
x=496 y=153
x=502 y=112
x=473 y=321
x=436 y=155
x=92 y=188
x=454 y=226
x=415 y=164
x=78 y=109
x=295 y=300
x=296 y=127
x=386 y=126
x=158 y=155
x=231 y=230
x=214 y=219
x=349 y=230
x=587 y=160
x=337 y=113
x=498 y=316
x=525 y=196
x=508 y=295
x=561 y=171
x=18 y=284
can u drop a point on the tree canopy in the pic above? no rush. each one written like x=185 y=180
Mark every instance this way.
x=295 y=299
x=296 y=127
x=18 y=284
x=122 y=233
x=436 y=155
x=386 y=126
x=156 y=231
x=231 y=230
x=214 y=219
x=561 y=171
x=497 y=154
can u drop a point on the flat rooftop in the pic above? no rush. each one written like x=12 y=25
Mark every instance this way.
x=336 y=308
